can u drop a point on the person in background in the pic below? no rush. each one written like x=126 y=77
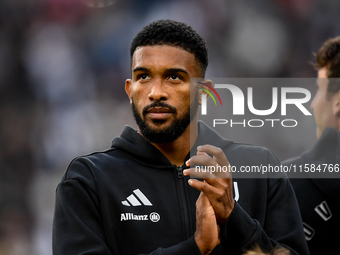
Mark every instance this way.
x=319 y=198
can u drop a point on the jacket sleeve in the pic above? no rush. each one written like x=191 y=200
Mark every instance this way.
x=188 y=247
x=78 y=227
x=77 y=224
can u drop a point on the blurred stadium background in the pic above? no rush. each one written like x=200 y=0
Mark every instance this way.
x=63 y=64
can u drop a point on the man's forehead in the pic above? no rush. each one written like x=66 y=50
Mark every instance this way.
x=164 y=55
x=156 y=50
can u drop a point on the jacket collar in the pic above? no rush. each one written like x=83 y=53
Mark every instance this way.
x=143 y=151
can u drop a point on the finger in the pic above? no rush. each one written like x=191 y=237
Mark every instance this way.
x=202 y=153
x=193 y=160
x=216 y=186
x=215 y=151
x=221 y=199
x=204 y=206
x=211 y=178
x=218 y=164
x=204 y=199
x=209 y=172
x=203 y=159
x=206 y=189
x=212 y=191
x=203 y=165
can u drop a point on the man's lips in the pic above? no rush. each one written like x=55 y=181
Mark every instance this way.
x=159 y=112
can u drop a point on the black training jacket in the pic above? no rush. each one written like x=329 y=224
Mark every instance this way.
x=319 y=198
x=131 y=200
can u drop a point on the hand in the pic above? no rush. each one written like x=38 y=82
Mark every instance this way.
x=207 y=235
x=218 y=185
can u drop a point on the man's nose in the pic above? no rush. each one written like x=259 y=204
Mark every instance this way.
x=158 y=92
x=312 y=104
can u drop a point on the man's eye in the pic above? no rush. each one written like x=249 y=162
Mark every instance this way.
x=174 y=77
x=143 y=76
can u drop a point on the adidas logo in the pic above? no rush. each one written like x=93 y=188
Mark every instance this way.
x=136 y=199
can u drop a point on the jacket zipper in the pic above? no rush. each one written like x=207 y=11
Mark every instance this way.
x=180 y=172
x=184 y=205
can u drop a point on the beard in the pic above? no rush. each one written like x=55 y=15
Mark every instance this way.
x=170 y=132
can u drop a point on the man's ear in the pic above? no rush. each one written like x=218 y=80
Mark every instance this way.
x=128 y=84
x=201 y=92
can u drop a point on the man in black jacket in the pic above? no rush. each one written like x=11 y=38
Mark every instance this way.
x=137 y=197
x=319 y=198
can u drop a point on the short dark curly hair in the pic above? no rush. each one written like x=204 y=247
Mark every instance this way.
x=172 y=33
x=329 y=56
